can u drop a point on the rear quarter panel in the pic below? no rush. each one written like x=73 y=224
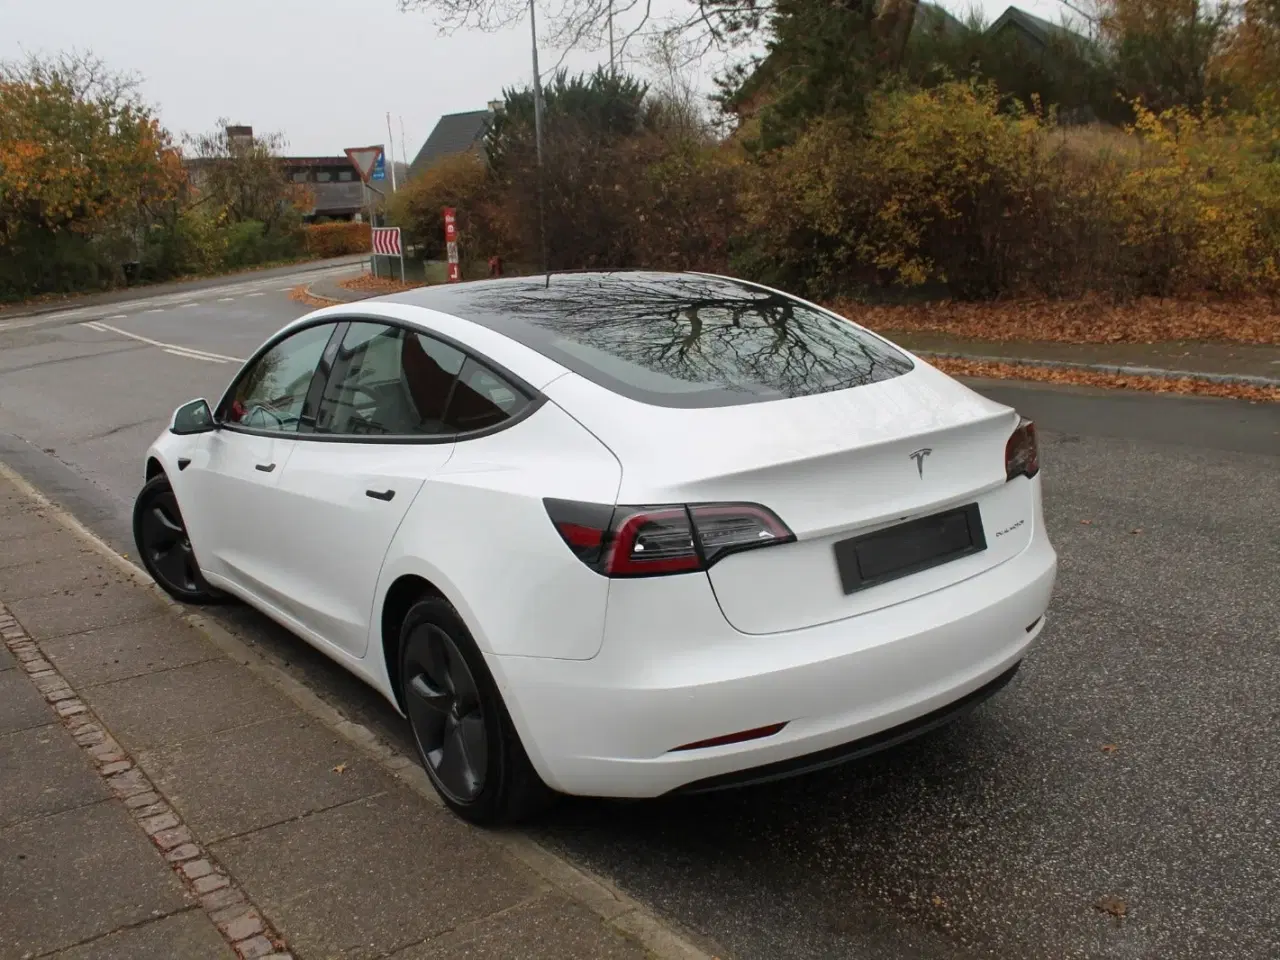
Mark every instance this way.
x=479 y=532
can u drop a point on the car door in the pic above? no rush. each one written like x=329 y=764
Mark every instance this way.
x=380 y=433
x=230 y=489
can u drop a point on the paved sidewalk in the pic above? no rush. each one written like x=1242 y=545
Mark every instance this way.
x=160 y=799
x=1218 y=362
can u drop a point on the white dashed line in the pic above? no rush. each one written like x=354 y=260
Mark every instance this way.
x=283 y=289
x=119 y=316
x=154 y=310
x=188 y=351
x=94 y=325
x=191 y=304
x=253 y=294
x=225 y=299
x=193 y=356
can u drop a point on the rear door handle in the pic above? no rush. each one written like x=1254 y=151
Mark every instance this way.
x=264 y=467
x=380 y=494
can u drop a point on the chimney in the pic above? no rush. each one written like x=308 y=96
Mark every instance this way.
x=240 y=136
x=495 y=106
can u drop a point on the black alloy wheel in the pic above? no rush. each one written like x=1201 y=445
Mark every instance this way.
x=446 y=713
x=465 y=737
x=164 y=546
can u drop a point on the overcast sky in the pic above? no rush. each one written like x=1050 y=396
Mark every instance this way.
x=323 y=72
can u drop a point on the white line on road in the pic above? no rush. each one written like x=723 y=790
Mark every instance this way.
x=283 y=289
x=225 y=299
x=191 y=304
x=253 y=294
x=205 y=354
x=194 y=356
x=119 y=316
x=154 y=310
x=94 y=325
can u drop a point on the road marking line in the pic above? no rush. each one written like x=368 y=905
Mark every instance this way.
x=193 y=356
x=225 y=299
x=191 y=304
x=253 y=294
x=171 y=346
x=154 y=310
x=119 y=316
x=94 y=325
x=283 y=289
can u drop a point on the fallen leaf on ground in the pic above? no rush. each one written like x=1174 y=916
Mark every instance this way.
x=938 y=901
x=1087 y=523
x=1136 y=530
x=986 y=369
x=367 y=282
x=340 y=768
x=1109 y=748
x=300 y=294
x=1087 y=320
x=1112 y=905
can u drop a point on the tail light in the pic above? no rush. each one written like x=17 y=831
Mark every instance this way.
x=1022 y=452
x=654 y=540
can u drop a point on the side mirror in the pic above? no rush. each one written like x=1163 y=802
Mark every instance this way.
x=193 y=417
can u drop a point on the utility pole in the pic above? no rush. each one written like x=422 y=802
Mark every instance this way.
x=391 y=145
x=403 y=153
x=537 y=136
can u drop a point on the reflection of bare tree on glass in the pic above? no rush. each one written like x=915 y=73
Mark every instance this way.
x=700 y=330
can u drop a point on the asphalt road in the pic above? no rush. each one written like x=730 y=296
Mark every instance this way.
x=1136 y=757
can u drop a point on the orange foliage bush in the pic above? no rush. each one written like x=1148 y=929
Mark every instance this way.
x=336 y=239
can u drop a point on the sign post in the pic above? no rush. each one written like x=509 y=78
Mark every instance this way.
x=451 y=243
x=364 y=159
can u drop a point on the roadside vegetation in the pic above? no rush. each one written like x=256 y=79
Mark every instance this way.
x=94 y=192
x=889 y=154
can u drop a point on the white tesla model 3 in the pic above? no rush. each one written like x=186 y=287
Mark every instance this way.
x=614 y=534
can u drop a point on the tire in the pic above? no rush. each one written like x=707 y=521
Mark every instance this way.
x=464 y=734
x=160 y=535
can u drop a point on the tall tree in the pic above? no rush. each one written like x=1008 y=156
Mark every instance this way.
x=240 y=178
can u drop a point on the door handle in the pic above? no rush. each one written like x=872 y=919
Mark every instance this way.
x=380 y=494
x=264 y=467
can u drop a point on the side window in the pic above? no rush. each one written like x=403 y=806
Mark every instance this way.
x=388 y=381
x=271 y=394
x=481 y=399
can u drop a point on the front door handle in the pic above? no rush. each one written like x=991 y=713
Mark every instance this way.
x=264 y=467
x=380 y=494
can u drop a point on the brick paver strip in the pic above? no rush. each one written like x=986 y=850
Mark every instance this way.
x=236 y=918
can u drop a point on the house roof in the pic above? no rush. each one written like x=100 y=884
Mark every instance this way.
x=1036 y=27
x=454 y=133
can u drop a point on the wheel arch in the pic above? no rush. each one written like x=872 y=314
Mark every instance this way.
x=154 y=467
x=406 y=590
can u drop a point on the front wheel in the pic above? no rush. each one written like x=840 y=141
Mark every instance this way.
x=161 y=538
x=465 y=737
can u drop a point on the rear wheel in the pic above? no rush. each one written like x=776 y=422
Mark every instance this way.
x=161 y=538
x=465 y=737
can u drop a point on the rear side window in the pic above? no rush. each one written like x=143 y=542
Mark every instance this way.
x=679 y=340
x=481 y=399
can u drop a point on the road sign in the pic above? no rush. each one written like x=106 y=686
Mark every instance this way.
x=451 y=243
x=379 y=167
x=364 y=159
x=386 y=241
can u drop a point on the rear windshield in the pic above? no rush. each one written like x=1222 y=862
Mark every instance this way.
x=680 y=340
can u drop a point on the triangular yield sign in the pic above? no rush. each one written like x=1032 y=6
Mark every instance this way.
x=363 y=159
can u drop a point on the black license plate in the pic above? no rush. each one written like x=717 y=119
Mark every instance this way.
x=908 y=548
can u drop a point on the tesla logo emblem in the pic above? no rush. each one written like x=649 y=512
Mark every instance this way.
x=918 y=456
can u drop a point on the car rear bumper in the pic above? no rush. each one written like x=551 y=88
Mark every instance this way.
x=673 y=672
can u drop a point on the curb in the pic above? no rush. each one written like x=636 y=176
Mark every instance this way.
x=1251 y=380
x=599 y=895
x=204 y=879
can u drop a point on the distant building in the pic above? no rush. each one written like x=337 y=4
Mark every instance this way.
x=333 y=182
x=455 y=133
